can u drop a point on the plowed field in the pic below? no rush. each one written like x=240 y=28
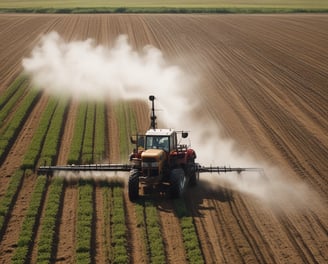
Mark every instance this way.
x=262 y=78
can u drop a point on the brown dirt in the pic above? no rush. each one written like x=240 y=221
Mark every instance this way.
x=262 y=77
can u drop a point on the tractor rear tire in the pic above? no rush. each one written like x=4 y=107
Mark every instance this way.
x=193 y=173
x=133 y=189
x=177 y=180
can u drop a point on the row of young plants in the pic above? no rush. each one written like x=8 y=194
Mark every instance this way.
x=99 y=150
x=11 y=96
x=87 y=149
x=52 y=139
x=46 y=242
x=150 y=229
x=92 y=140
x=77 y=142
x=33 y=153
x=115 y=232
x=7 y=201
x=85 y=214
x=9 y=133
x=189 y=234
x=118 y=232
x=30 y=223
x=127 y=125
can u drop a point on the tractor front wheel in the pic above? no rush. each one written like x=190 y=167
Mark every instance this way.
x=133 y=185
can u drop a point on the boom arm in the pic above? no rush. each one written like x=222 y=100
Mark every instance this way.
x=218 y=169
x=127 y=167
x=90 y=167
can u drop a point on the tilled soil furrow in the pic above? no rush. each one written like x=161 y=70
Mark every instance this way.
x=216 y=239
x=300 y=246
x=258 y=244
x=228 y=243
x=172 y=235
x=135 y=239
x=67 y=229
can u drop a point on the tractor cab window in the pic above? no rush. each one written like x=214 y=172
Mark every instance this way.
x=157 y=142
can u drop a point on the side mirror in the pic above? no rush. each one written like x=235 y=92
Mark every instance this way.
x=184 y=134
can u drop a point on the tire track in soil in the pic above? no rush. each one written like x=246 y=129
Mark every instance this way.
x=296 y=240
x=258 y=245
x=67 y=229
x=217 y=240
x=136 y=246
x=171 y=232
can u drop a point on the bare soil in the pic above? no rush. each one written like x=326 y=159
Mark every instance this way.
x=263 y=79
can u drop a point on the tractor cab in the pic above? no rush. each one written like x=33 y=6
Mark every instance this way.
x=165 y=139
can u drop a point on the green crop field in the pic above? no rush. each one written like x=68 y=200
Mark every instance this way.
x=164 y=6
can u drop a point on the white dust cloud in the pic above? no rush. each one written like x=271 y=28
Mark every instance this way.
x=97 y=176
x=84 y=70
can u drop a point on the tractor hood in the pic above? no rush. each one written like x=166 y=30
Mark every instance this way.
x=153 y=155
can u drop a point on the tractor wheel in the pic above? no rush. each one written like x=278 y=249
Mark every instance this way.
x=134 y=185
x=177 y=180
x=193 y=174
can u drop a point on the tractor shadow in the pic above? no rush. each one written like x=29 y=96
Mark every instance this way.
x=205 y=196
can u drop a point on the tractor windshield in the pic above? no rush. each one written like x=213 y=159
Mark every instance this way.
x=157 y=142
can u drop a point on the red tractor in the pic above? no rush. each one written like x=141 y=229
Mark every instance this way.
x=160 y=161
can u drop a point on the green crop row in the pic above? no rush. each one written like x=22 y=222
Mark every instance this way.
x=141 y=224
x=51 y=143
x=11 y=96
x=33 y=152
x=84 y=222
x=107 y=192
x=6 y=202
x=115 y=236
x=87 y=149
x=30 y=222
x=48 y=229
x=157 y=252
x=10 y=132
x=76 y=145
x=100 y=135
x=127 y=126
x=190 y=238
x=119 y=242
x=150 y=228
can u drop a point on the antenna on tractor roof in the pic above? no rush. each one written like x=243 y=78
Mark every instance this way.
x=152 y=117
